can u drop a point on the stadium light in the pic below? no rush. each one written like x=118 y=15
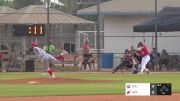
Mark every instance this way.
x=47 y=5
x=156 y=20
x=98 y=32
x=47 y=26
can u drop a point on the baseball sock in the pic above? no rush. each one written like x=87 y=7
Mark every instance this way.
x=60 y=57
x=50 y=72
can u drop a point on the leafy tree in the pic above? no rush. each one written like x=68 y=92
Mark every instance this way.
x=23 y=3
x=71 y=6
x=6 y=3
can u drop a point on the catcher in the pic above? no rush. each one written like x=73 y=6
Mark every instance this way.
x=129 y=60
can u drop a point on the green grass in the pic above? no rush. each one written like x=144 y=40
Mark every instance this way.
x=82 y=88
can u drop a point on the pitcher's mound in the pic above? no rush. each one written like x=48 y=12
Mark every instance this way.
x=52 y=81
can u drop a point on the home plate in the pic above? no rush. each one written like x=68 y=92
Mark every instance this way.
x=33 y=82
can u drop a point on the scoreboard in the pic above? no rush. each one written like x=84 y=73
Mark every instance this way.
x=29 y=30
x=147 y=89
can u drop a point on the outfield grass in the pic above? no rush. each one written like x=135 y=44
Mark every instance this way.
x=82 y=88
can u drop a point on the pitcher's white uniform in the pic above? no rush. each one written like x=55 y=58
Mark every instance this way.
x=46 y=58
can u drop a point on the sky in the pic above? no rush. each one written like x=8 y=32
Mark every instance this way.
x=56 y=2
x=8 y=0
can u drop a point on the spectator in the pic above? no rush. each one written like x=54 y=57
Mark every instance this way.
x=164 y=59
x=50 y=46
x=86 y=47
x=154 y=59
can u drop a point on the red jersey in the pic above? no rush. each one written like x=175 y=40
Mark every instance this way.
x=0 y=56
x=144 y=51
x=86 y=48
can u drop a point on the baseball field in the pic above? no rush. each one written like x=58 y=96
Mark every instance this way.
x=92 y=86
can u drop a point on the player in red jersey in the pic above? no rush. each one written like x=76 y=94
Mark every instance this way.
x=145 y=57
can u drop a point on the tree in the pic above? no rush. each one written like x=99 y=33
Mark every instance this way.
x=23 y=3
x=6 y=3
x=70 y=6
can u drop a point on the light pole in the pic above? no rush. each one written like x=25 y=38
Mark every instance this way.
x=47 y=26
x=98 y=33
x=98 y=28
x=156 y=29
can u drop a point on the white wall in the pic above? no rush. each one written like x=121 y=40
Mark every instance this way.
x=171 y=44
x=123 y=26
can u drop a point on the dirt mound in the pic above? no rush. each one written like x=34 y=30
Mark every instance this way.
x=52 y=81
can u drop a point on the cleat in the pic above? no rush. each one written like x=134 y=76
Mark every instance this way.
x=135 y=72
x=147 y=71
x=53 y=76
x=140 y=73
x=113 y=72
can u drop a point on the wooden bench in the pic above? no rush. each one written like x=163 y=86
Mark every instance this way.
x=71 y=60
x=68 y=60
x=81 y=59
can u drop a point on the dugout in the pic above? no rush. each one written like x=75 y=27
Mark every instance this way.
x=29 y=66
x=167 y=20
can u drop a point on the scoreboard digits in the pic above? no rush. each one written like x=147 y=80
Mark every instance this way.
x=29 y=30
x=35 y=30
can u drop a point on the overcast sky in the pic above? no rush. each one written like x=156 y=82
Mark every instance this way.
x=56 y=2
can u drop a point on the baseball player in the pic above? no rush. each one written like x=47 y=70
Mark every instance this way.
x=128 y=61
x=46 y=58
x=87 y=60
x=142 y=49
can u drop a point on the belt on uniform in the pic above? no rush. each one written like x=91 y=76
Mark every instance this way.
x=41 y=57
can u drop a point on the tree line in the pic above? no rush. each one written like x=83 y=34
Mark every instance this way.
x=71 y=6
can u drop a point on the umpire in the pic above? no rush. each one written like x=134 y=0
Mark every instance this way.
x=86 y=62
x=86 y=54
